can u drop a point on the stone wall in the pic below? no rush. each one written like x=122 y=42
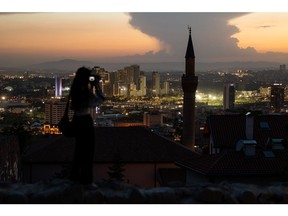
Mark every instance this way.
x=57 y=191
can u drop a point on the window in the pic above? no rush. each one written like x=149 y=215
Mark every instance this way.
x=264 y=125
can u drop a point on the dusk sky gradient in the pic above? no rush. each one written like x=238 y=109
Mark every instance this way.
x=31 y=38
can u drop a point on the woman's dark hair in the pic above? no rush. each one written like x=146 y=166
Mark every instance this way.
x=79 y=89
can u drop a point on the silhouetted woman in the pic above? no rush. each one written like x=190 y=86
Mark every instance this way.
x=82 y=100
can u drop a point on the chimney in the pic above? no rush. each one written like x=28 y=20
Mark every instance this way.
x=249 y=126
x=247 y=146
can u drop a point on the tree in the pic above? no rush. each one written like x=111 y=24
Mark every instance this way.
x=178 y=127
x=17 y=126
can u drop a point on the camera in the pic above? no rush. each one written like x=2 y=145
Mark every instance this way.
x=94 y=78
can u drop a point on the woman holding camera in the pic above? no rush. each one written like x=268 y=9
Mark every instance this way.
x=82 y=100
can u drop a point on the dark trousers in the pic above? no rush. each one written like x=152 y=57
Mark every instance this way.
x=82 y=165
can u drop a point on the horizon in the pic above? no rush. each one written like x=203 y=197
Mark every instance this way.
x=70 y=65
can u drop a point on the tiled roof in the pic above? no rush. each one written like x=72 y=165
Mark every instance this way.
x=134 y=144
x=227 y=130
x=232 y=163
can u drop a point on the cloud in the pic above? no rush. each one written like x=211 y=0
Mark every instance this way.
x=211 y=35
x=210 y=32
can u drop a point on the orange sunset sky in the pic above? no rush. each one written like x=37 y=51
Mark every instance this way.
x=27 y=38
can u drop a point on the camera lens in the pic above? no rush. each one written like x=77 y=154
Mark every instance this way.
x=91 y=78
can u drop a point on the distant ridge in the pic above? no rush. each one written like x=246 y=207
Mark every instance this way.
x=65 y=65
x=69 y=65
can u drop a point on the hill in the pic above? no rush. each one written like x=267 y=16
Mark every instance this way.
x=68 y=65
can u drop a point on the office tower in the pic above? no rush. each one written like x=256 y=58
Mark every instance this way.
x=155 y=83
x=105 y=82
x=142 y=85
x=277 y=97
x=229 y=96
x=165 y=89
x=133 y=72
x=189 y=86
x=131 y=90
x=116 y=89
x=54 y=111
x=58 y=86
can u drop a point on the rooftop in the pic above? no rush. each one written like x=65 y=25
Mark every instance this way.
x=134 y=144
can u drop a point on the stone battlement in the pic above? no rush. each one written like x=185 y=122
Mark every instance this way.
x=58 y=191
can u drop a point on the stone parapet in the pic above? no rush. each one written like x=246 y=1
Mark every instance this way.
x=59 y=191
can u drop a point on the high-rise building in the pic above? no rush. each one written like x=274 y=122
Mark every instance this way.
x=189 y=86
x=133 y=72
x=58 y=86
x=277 y=97
x=105 y=82
x=156 y=83
x=166 y=88
x=126 y=82
x=142 y=85
x=229 y=96
x=54 y=111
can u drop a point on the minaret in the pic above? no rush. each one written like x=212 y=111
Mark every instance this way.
x=189 y=86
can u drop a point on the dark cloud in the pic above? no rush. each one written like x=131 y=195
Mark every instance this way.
x=265 y=26
x=210 y=32
x=211 y=35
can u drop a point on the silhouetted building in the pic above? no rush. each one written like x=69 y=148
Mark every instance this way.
x=225 y=131
x=144 y=153
x=189 y=85
x=229 y=96
x=243 y=148
x=277 y=97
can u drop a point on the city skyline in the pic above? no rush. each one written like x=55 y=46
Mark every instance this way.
x=115 y=37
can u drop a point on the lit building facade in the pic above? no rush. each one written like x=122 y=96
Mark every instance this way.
x=165 y=88
x=142 y=85
x=277 y=97
x=105 y=82
x=229 y=96
x=54 y=111
x=58 y=87
x=156 y=83
x=152 y=119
